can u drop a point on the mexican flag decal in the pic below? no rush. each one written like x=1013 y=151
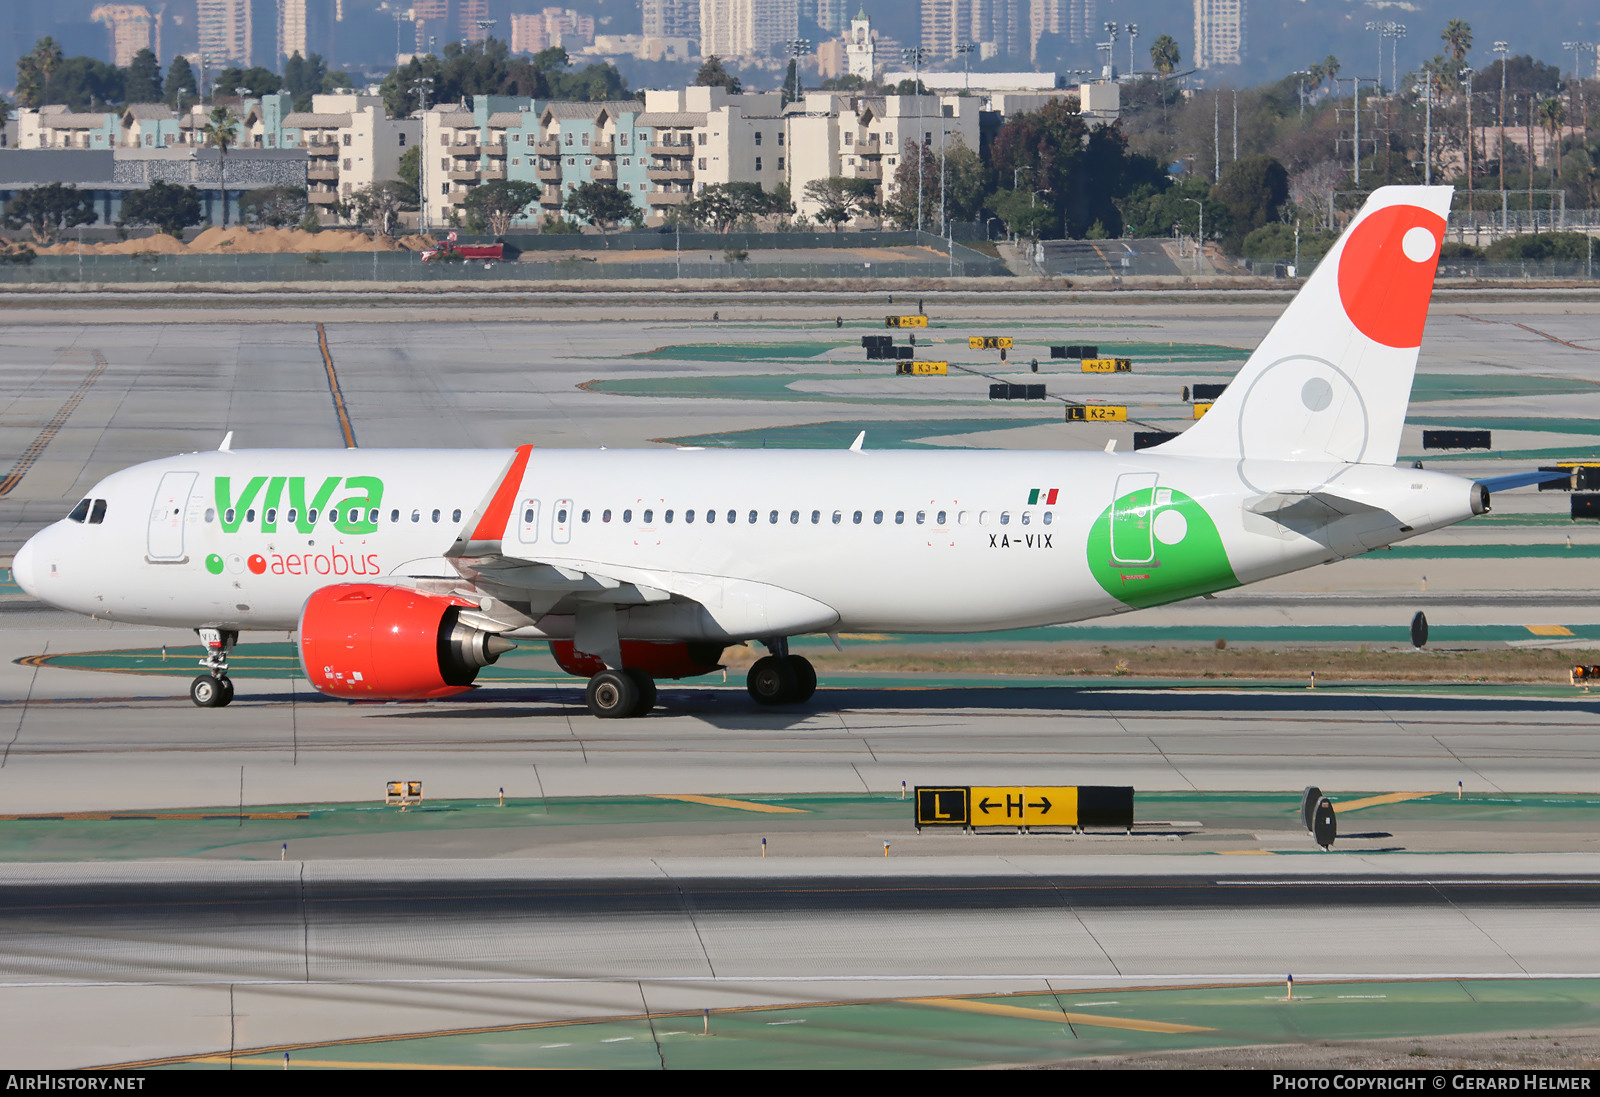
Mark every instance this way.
x=1047 y=496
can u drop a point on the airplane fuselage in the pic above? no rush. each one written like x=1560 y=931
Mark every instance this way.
x=746 y=543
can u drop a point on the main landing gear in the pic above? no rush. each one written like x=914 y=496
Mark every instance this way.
x=617 y=694
x=214 y=689
x=781 y=678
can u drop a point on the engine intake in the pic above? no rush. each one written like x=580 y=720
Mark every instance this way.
x=363 y=640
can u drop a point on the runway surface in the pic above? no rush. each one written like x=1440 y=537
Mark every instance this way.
x=121 y=946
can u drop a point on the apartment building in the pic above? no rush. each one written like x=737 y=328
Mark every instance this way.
x=349 y=138
x=593 y=142
x=865 y=137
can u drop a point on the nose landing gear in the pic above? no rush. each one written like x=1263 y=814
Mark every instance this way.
x=214 y=689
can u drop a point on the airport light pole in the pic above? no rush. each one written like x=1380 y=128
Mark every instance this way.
x=1394 y=32
x=1302 y=74
x=1109 y=45
x=1377 y=27
x=1466 y=74
x=1577 y=77
x=1502 y=48
x=797 y=48
x=1426 y=88
x=422 y=87
x=916 y=55
x=1200 y=241
x=965 y=50
x=1133 y=32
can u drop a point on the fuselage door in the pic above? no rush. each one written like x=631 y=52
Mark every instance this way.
x=561 y=522
x=528 y=521
x=1133 y=514
x=165 y=540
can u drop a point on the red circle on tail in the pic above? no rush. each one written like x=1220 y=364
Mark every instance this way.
x=1384 y=291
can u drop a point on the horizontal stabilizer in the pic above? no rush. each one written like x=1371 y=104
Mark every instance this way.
x=1524 y=479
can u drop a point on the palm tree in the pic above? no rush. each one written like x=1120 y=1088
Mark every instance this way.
x=1457 y=36
x=222 y=130
x=1164 y=55
x=1330 y=71
x=44 y=60
x=1552 y=115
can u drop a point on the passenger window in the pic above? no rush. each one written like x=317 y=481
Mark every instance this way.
x=333 y=515
x=416 y=516
x=772 y=519
x=794 y=518
x=250 y=515
x=561 y=516
x=455 y=516
x=290 y=515
x=211 y=515
x=983 y=518
x=271 y=515
x=1005 y=518
x=836 y=516
x=394 y=516
x=79 y=512
x=436 y=517
x=311 y=516
x=669 y=517
x=584 y=517
x=605 y=515
x=922 y=516
x=227 y=515
x=941 y=518
x=627 y=515
x=688 y=517
x=527 y=517
x=97 y=513
x=877 y=517
x=816 y=517
x=857 y=518
x=1026 y=517
x=1049 y=516
x=372 y=516
x=711 y=516
x=961 y=518
x=899 y=517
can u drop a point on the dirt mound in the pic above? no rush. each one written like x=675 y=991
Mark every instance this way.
x=239 y=241
x=160 y=242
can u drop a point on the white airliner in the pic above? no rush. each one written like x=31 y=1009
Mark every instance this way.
x=402 y=572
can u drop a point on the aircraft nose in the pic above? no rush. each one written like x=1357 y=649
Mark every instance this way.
x=22 y=568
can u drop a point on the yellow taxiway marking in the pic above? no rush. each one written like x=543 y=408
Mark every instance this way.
x=1340 y=807
x=742 y=805
x=351 y=1064
x=1091 y=1020
x=1549 y=630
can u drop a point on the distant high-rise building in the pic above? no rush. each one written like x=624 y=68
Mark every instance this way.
x=225 y=31
x=1218 y=33
x=945 y=23
x=833 y=15
x=1074 y=20
x=672 y=19
x=999 y=23
x=131 y=28
x=746 y=28
x=471 y=15
x=532 y=32
x=306 y=27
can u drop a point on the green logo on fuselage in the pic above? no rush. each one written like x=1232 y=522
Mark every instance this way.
x=1155 y=545
x=278 y=496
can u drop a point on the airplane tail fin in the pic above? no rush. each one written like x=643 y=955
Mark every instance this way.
x=1332 y=379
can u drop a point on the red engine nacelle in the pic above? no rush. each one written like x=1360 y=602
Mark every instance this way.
x=658 y=659
x=378 y=643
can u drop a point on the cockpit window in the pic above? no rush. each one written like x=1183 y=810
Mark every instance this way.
x=97 y=513
x=80 y=512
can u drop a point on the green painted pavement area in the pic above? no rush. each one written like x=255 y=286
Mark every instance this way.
x=839 y=434
x=984 y=1030
x=803 y=349
x=1427 y=387
x=252 y=835
x=766 y=386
